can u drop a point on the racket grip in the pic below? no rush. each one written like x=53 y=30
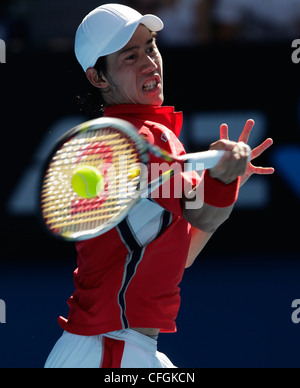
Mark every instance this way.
x=206 y=160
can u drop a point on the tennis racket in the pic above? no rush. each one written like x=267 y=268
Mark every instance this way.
x=119 y=153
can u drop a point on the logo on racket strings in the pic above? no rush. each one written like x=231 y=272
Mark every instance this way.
x=2 y=311
x=2 y=51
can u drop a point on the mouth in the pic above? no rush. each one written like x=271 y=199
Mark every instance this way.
x=151 y=84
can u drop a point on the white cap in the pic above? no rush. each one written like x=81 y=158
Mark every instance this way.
x=107 y=29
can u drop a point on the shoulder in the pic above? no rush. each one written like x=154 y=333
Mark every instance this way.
x=162 y=136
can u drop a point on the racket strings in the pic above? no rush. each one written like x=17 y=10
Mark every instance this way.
x=114 y=154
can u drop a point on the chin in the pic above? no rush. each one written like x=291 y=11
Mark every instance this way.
x=156 y=101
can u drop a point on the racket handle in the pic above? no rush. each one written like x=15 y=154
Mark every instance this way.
x=205 y=160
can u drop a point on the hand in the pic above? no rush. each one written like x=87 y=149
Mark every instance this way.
x=234 y=162
x=256 y=152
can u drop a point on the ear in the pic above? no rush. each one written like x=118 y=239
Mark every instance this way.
x=99 y=81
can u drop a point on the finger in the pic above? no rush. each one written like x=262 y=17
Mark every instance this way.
x=224 y=132
x=247 y=131
x=263 y=170
x=261 y=148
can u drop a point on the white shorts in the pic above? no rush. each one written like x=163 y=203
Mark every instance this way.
x=119 y=349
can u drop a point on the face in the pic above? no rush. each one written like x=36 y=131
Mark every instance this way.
x=135 y=72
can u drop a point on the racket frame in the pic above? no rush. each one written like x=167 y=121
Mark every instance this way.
x=142 y=148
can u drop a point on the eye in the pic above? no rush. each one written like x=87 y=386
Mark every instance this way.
x=132 y=57
x=151 y=50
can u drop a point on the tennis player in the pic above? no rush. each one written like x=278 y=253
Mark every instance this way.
x=126 y=283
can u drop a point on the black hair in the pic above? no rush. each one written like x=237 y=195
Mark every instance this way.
x=101 y=66
x=93 y=103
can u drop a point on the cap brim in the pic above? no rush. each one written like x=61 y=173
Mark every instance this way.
x=152 y=22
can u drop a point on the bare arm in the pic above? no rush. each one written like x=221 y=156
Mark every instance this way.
x=198 y=241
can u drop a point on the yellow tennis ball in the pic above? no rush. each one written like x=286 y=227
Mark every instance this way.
x=134 y=173
x=87 y=181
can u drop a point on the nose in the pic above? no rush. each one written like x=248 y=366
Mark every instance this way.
x=149 y=65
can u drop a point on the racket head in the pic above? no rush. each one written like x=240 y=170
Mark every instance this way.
x=114 y=147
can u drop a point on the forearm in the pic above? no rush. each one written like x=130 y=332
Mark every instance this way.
x=218 y=201
x=208 y=218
